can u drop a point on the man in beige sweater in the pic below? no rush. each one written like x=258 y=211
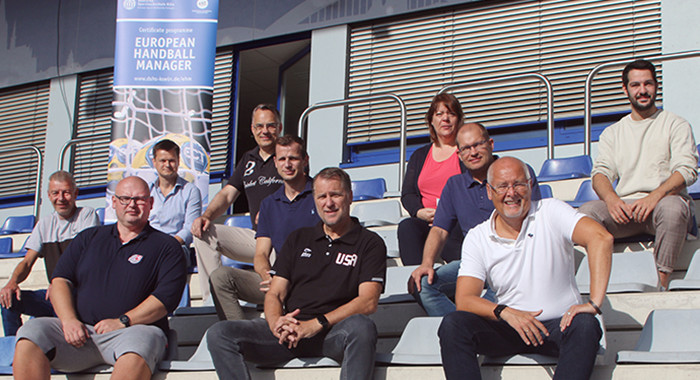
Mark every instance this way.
x=652 y=155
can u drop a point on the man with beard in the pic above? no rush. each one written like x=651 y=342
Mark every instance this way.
x=652 y=155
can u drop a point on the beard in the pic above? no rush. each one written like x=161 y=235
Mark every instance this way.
x=643 y=107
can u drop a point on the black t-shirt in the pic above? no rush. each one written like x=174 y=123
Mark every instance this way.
x=110 y=278
x=257 y=177
x=325 y=274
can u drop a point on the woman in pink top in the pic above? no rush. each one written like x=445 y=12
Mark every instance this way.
x=426 y=174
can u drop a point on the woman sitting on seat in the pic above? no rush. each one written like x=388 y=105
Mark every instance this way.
x=428 y=170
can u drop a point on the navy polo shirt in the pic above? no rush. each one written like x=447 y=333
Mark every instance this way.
x=256 y=177
x=465 y=200
x=324 y=274
x=110 y=278
x=279 y=216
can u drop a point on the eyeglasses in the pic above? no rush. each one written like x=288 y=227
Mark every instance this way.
x=468 y=148
x=266 y=125
x=517 y=186
x=125 y=201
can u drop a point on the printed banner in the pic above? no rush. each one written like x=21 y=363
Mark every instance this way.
x=163 y=88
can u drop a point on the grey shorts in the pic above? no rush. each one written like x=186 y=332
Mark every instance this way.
x=146 y=341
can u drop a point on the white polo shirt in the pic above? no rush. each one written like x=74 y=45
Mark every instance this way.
x=533 y=272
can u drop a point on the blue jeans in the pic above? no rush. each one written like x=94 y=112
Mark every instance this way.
x=463 y=335
x=31 y=302
x=351 y=342
x=436 y=298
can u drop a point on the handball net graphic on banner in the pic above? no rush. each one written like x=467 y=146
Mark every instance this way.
x=163 y=88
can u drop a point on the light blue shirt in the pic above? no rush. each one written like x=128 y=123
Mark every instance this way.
x=174 y=213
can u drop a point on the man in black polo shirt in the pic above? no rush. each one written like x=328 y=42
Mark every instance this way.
x=327 y=279
x=287 y=209
x=255 y=175
x=112 y=290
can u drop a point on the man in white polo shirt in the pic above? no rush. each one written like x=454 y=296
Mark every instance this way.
x=525 y=252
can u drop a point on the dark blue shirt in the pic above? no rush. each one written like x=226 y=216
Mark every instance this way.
x=465 y=200
x=279 y=216
x=110 y=278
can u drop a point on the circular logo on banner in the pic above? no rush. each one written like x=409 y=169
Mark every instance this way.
x=129 y=4
x=201 y=4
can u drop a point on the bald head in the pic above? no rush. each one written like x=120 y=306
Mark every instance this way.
x=510 y=164
x=132 y=202
x=133 y=182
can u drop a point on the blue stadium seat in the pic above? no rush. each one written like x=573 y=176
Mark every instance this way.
x=368 y=189
x=185 y=299
x=694 y=190
x=6 y=249
x=234 y=263
x=584 y=194
x=668 y=336
x=18 y=225
x=242 y=221
x=546 y=191
x=555 y=169
x=100 y=214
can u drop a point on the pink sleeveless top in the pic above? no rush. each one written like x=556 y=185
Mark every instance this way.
x=433 y=177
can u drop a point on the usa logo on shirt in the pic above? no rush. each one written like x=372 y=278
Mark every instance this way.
x=135 y=258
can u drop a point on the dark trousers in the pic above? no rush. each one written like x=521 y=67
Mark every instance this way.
x=463 y=335
x=31 y=302
x=351 y=342
x=412 y=233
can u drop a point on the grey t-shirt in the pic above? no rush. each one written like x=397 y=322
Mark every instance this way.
x=52 y=234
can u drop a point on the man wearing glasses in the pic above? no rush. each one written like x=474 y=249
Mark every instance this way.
x=525 y=251
x=112 y=290
x=255 y=175
x=463 y=200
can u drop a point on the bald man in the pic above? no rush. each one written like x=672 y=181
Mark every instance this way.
x=112 y=290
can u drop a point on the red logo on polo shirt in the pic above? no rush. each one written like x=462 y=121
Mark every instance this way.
x=135 y=258
x=346 y=259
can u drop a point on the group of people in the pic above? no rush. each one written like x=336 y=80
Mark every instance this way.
x=506 y=284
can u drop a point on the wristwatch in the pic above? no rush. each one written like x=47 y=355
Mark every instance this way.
x=124 y=319
x=324 y=322
x=498 y=310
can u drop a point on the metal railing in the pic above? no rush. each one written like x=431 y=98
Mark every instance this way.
x=587 y=117
x=69 y=143
x=518 y=78
x=39 y=168
x=363 y=99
